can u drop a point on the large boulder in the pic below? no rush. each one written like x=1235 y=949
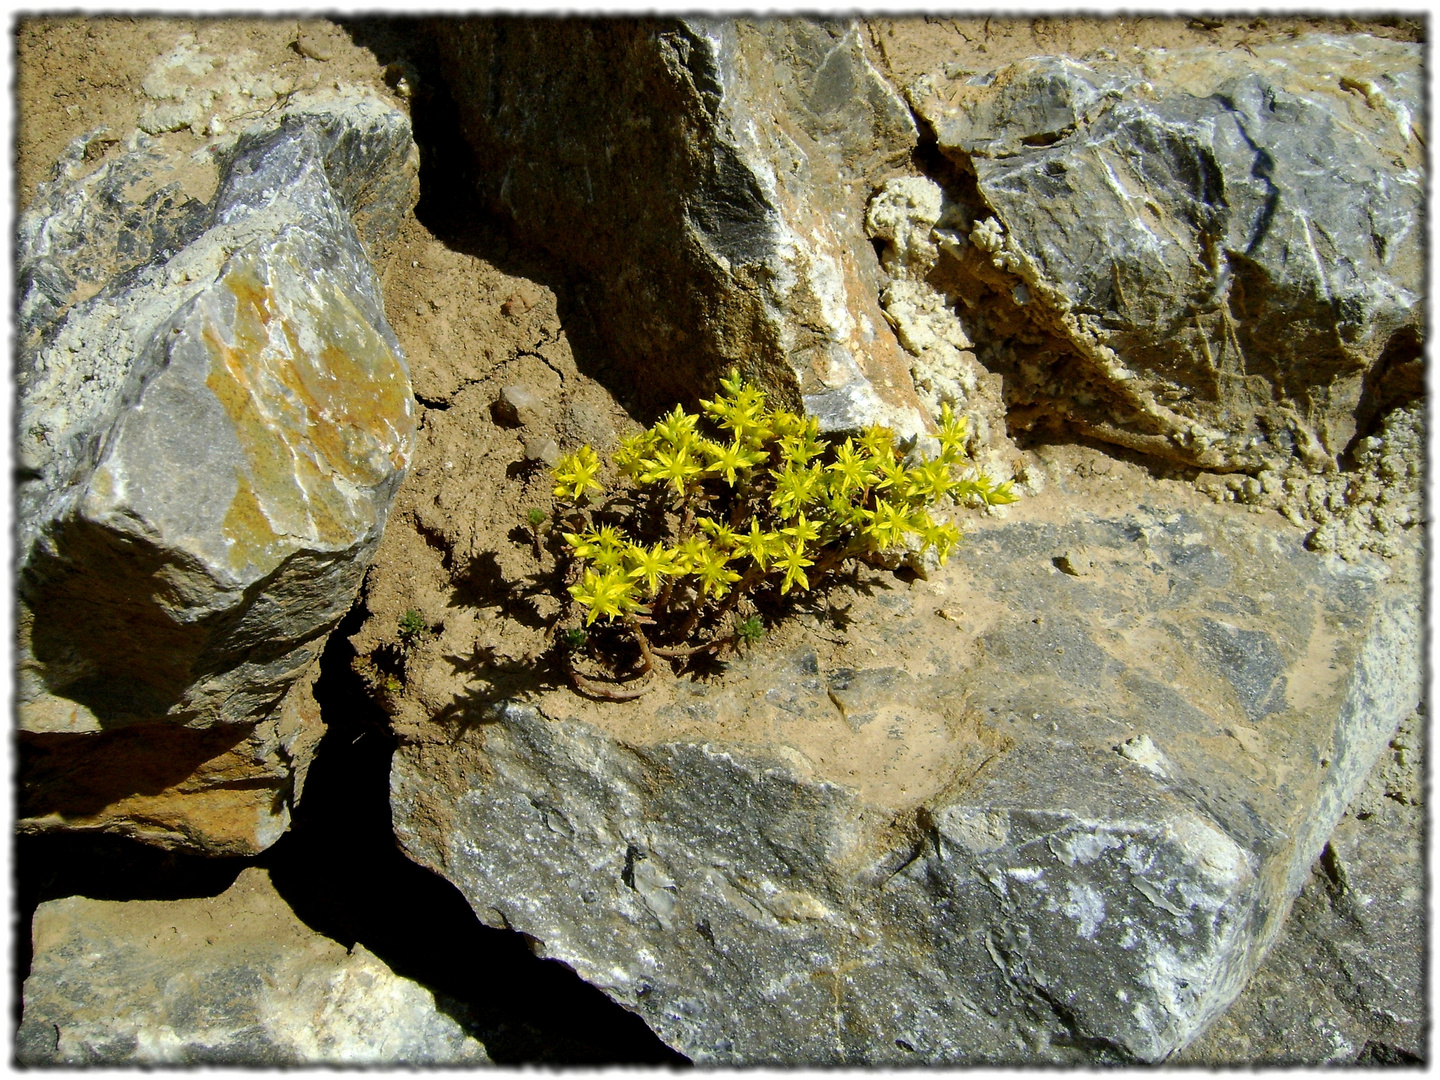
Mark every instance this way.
x=234 y=979
x=1051 y=804
x=1215 y=256
x=214 y=416
x=704 y=181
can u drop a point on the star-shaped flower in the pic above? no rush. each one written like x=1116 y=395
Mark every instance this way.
x=575 y=474
x=792 y=560
x=605 y=595
x=650 y=565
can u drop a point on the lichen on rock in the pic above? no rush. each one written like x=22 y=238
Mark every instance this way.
x=214 y=416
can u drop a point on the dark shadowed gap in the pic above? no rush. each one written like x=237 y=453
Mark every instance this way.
x=343 y=873
x=451 y=209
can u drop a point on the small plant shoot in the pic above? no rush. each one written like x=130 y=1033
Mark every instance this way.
x=412 y=626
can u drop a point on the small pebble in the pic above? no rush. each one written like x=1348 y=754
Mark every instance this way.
x=516 y=406
x=542 y=450
x=316 y=48
x=520 y=301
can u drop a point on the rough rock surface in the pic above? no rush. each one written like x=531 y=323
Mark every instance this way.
x=234 y=979
x=1211 y=255
x=1059 y=818
x=214 y=416
x=228 y=789
x=1345 y=984
x=705 y=181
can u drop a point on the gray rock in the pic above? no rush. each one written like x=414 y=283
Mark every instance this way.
x=211 y=441
x=1345 y=983
x=1060 y=826
x=1218 y=249
x=234 y=979
x=706 y=179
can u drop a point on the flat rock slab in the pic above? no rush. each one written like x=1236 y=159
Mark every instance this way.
x=1049 y=806
x=234 y=979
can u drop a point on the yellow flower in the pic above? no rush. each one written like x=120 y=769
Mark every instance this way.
x=650 y=566
x=757 y=543
x=802 y=530
x=715 y=576
x=1003 y=494
x=794 y=488
x=889 y=523
x=632 y=449
x=952 y=434
x=581 y=545
x=605 y=545
x=674 y=468
x=931 y=481
x=609 y=558
x=690 y=553
x=792 y=558
x=986 y=489
x=892 y=475
x=575 y=474
x=850 y=471
x=677 y=429
x=722 y=536
x=608 y=594
x=942 y=537
x=727 y=460
x=876 y=440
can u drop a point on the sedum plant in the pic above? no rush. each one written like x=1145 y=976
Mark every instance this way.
x=717 y=510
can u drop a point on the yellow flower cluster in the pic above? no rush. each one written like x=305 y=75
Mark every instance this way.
x=760 y=503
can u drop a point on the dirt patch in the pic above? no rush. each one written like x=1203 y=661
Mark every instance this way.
x=907 y=48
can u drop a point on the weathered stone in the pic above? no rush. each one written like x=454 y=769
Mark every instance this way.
x=234 y=979
x=318 y=40
x=227 y=790
x=1012 y=829
x=1215 y=256
x=914 y=219
x=214 y=416
x=706 y=182
x=1345 y=984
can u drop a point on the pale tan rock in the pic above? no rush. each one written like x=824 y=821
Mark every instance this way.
x=235 y=979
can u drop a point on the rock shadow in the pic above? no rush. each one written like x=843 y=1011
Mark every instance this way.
x=451 y=205
x=344 y=875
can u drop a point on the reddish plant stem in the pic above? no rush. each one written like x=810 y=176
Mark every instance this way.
x=644 y=644
x=599 y=690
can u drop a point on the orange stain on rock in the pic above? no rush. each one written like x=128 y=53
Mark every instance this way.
x=320 y=404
